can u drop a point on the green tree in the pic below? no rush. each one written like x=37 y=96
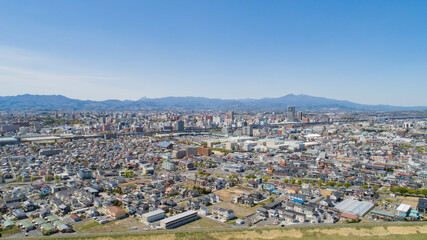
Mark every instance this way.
x=293 y=181
x=23 y=179
x=286 y=180
x=347 y=184
x=32 y=178
x=320 y=183
x=339 y=184
x=402 y=190
x=299 y=182
x=57 y=179
x=331 y=183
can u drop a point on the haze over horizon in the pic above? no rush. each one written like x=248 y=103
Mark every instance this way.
x=364 y=52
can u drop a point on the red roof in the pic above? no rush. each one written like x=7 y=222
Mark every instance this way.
x=350 y=216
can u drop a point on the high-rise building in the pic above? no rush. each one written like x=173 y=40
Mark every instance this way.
x=299 y=116
x=247 y=131
x=180 y=125
x=291 y=114
x=230 y=116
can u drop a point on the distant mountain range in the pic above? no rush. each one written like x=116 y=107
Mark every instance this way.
x=301 y=102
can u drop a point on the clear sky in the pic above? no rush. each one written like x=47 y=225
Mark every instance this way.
x=372 y=52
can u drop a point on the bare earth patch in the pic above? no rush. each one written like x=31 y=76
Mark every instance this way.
x=258 y=234
x=376 y=231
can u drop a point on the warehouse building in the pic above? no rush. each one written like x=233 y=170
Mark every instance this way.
x=354 y=207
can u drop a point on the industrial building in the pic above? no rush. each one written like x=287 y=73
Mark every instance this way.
x=354 y=207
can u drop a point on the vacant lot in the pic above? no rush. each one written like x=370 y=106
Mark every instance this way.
x=130 y=183
x=202 y=223
x=122 y=225
x=226 y=194
x=239 y=211
x=410 y=232
x=10 y=231
x=413 y=201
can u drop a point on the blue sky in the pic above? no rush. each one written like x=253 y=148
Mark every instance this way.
x=372 y=52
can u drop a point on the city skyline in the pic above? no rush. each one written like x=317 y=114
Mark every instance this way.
x=363 y=52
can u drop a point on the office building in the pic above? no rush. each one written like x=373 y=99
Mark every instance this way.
x=180 y=125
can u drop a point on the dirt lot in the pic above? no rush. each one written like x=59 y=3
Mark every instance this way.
x=413 y=201
x=226 y=194
x=325 y=192
x=239 y=211
x=133 y=182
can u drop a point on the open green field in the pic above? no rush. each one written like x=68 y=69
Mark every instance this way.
x=121 y=225
x=203 y=223
x=386 y=232
x=10 y=231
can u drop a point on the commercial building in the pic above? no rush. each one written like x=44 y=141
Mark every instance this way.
x=179 y=219
x=169 y=166
x=233 y=167
x=49 y=152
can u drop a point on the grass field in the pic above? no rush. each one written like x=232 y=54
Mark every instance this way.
x=202 y=223
x=10 y=231
x=122 y=225
x=407 y=232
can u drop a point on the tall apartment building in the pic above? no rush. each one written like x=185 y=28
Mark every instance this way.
x=299 y=116
x=291 y=114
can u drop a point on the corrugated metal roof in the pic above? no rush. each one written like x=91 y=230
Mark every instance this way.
x=355 y=207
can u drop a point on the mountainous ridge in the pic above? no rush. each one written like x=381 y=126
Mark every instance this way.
x=302 y=102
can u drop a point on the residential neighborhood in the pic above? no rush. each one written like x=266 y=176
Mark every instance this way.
x=68 y=173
